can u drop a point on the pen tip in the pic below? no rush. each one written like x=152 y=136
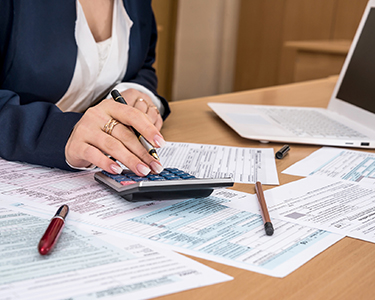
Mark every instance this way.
x=154 y=154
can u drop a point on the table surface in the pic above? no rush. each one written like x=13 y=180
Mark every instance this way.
x=344 y=271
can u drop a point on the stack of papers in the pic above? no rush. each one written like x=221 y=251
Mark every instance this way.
x=114 y=248
x=87 y=266
x=337 y=195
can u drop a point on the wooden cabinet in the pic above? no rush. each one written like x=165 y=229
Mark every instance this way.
x=166 y=15
x=265 y=27
x=317 y=58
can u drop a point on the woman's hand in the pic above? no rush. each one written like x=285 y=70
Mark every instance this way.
x=144 y=103
x=89 y=144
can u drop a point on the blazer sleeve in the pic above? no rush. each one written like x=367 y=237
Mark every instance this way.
x=32 y=128
x=35 y=133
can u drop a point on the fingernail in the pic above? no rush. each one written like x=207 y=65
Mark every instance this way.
x=156 y=167
x=159 y=141
x=143 y=169
x=116 y=168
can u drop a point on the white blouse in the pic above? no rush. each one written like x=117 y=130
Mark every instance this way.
x=101 y=64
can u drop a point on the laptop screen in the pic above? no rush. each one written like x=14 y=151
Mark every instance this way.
x=358 y=84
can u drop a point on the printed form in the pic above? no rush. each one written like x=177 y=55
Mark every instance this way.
x=84 y=266
x=22 y=174
x=339 y=206
x=244 y=165
x=206 y=228
x=357 y=166
x=337 y=195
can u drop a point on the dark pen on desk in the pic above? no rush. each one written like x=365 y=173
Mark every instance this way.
x=262 y=201
x=150 y=149
x=282 y=152
x=53 y=231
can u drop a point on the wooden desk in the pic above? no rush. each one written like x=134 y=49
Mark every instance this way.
x=344 y=271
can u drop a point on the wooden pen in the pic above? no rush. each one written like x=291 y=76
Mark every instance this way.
x=266 y=217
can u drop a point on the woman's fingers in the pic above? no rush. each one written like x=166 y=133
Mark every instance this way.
x=103 y=130
x=143 y=103
x=154 y=116
x=130 y=116
x=134 y=146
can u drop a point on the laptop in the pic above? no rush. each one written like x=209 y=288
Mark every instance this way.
x=349 y=119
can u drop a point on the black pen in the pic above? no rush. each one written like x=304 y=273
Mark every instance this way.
x=117 y=97
x=282 y=152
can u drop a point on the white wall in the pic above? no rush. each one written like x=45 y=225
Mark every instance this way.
x=205 y=48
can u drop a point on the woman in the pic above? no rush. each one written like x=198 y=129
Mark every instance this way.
x=57 y=58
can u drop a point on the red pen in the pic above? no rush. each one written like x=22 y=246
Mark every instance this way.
x=53 y=231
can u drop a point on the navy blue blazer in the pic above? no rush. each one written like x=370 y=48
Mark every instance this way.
x=37 y=60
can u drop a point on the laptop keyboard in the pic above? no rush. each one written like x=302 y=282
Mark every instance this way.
x=310 y=123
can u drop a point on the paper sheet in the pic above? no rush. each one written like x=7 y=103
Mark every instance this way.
x=221 y=233
x=357 y=166
x=244 y=165
x=83 y=266
x=339 y=206
x=16 y=174
x=206 y=228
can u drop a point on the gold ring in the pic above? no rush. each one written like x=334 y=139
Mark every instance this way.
x=108 y=127
x=157 y=111
x=142 y=100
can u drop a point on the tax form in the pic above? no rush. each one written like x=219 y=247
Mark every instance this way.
x=244 y=165
x=356 y=166
x=337 y=195
x=84 y=266
x=22 y=174
x=206 y=228
x=340 y=206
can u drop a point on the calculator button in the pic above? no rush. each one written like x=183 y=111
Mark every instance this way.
x=182 y=173
x=113 y=176
x=129 y=173
x=122 y=178
x=187 y=176
x=172 y=169
x=179 y=173
x=117 y=178
x=155 y=177
x=127 y=182
x=172 y=177
x=137 y=179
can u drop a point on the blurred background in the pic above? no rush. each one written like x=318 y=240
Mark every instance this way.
x=212 y=47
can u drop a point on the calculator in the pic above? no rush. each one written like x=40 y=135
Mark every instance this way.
x=171 y=183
